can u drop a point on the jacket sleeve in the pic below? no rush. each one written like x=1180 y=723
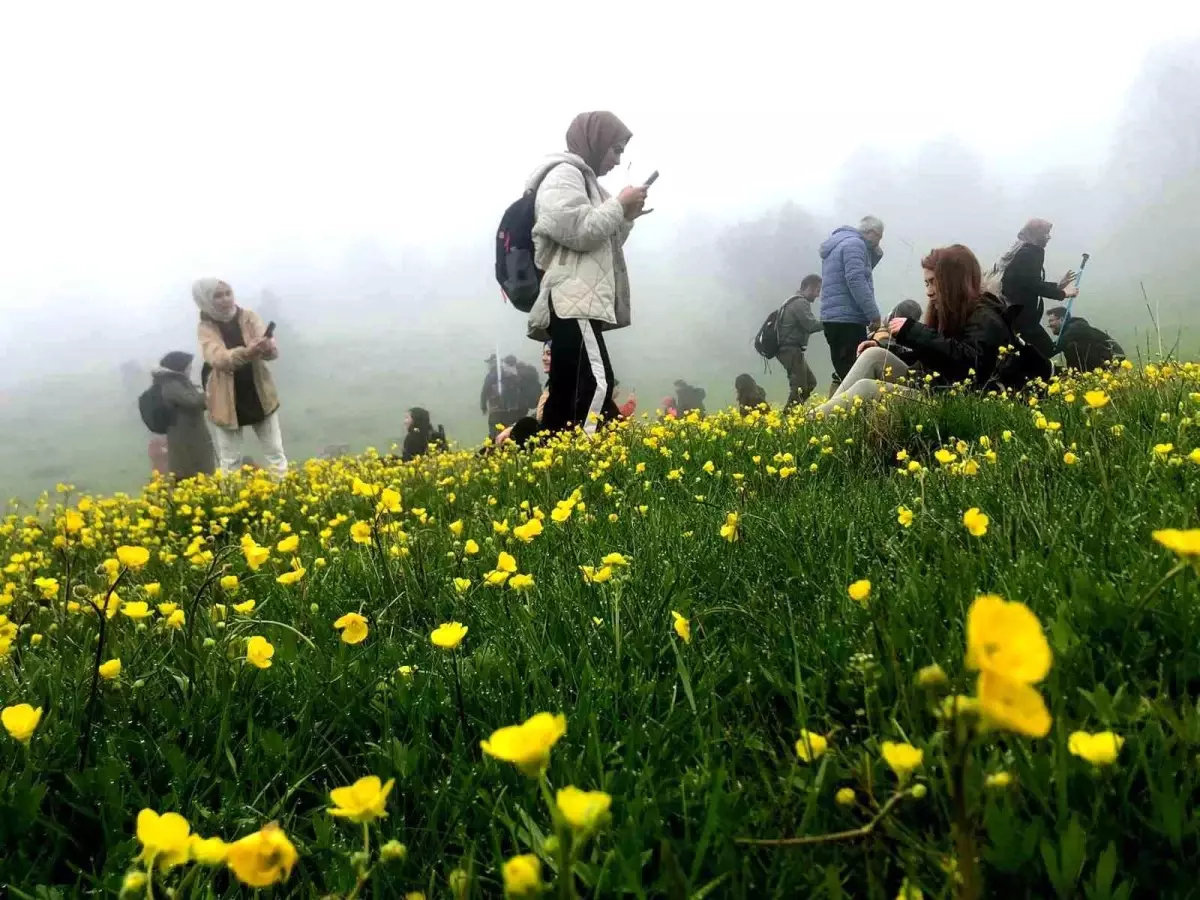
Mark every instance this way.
x=955 y=357
x=254 y=330
x=214 y=351
x=805 y=318
x=566 y=216
x=184 y=396
x=1024 y=275
x=856 y=265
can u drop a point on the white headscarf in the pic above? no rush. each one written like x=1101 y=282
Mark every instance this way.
x=202 y=292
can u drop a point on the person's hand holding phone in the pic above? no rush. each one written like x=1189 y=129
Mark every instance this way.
x=633 y=199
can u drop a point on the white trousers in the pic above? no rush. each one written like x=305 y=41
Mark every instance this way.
x=229 y=446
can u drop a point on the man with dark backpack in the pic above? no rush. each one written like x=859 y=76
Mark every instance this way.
x=1083 y=345
x=791 y=326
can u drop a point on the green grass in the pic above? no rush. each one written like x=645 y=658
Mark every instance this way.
x=693 y=741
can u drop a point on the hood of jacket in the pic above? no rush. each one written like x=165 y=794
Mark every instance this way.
x=845 y=233
x=555 y=159
x=161 y=374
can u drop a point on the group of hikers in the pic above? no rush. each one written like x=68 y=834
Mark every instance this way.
x=565 y=256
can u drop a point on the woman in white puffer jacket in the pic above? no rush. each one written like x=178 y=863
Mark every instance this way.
x=578 y=235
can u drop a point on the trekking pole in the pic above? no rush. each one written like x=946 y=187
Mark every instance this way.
x=1071 y=303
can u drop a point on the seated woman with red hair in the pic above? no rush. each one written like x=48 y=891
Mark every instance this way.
x=959 y=341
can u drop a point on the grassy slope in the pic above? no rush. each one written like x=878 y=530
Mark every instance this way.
x=694 y=742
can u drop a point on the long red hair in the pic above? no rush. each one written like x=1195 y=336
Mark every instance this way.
x=959 y=285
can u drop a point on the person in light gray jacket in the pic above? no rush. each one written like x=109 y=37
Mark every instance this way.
x=796 y=324
x=578 y=234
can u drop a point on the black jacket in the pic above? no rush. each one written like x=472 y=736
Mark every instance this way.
x=954 y=357
x=1086 y=347
x=1024 y=286
x=688 y=398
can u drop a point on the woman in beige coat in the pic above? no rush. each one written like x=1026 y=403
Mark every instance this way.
x=240 y=390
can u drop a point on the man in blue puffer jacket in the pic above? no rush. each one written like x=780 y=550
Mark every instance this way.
x=848 y=307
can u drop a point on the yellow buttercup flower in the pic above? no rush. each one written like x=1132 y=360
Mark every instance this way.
x=165 y=839
x=860 y=591
x=470 y=548
x=528 y=745
x=997 y=780
x=245 y=607
x=229 y=583
x=456 y=528
x=353 y=628
x=1006 y=638
x=152 y=590
x=729 y=531
x=1100 y=749
x=902 y=758
x=448 y=635
x=945 y=457
x=363 y=801
x=263 y=858
x=845 y=797
x=506 y=562
x=136 y=609
x=133 y=557
x=1013 y=705
x=176 y=620
x=110 y=669
x=975 y=522
x=297 y=573
x=360 y=532
x=1070 y=458
x=682 y=627
x=592 y=575
x=255 y=555
x=259 y=652
x=615 y=560
x=1184 y=543
x=583 y=810
x=21 y=721
x=495 y=578
x=904 y=516
x=528 y=531
x=521 y=582
x=208 y=851
x=811 y=746
x=462 y=585
x=1096 y=399
x=522 y=876
x=289 y=544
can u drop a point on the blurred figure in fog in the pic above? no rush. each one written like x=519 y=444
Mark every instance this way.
x=160 y=463
x=1021 y=275
x=796 y=323
x=420 y=437
x=628 y=406
x=688 y=398
x=750 y=395
x=189 y=444
x=1084 y=346
x=239 y=388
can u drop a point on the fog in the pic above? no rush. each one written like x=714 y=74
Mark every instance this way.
x=344 y=168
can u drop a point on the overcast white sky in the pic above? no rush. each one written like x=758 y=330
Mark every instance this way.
x=146 y=144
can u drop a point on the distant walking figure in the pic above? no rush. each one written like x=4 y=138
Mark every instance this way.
x=1021 y=275
x=189 y=446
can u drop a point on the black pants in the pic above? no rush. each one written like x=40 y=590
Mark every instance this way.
x=581 y=376
x=843 y=339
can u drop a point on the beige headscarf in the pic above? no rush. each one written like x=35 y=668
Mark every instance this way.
x=202 y=292
x=592 y=134
x=1036 y=232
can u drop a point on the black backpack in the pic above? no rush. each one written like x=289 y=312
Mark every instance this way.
x=520 y=280
x=766 y=342
x=155 y=413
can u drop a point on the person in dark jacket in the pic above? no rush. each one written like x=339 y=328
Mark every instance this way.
x=960 y=339
x=189 y=443
x=1084 y=346
x=796 y=323
x=848 y=308
x=1021 y=274
x=420 y=437
x=688 y=398
x=750 y=394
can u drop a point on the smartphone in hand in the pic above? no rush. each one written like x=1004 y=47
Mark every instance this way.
x=653 y=178
x=270 y=332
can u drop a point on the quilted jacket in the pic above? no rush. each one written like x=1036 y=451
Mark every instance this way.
x=578 y=235
x=847 y=285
